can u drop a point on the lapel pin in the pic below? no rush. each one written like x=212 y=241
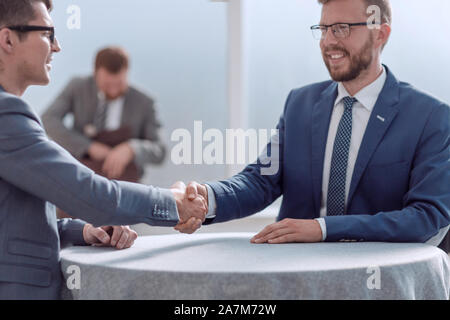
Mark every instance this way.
x=380 y=118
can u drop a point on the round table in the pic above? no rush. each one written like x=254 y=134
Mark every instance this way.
x=223 y=266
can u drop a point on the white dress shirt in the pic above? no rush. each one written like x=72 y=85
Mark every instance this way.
x=362 y=109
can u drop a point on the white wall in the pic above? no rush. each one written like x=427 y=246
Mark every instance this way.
x=179 y=56
x=284 y=55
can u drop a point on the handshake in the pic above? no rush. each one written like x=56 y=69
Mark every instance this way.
x=192 y=205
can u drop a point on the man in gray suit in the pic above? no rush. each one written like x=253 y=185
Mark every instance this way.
x=115 y=130
x=36 y=173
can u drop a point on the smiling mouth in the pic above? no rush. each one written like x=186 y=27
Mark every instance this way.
x=336 y=57
x=49 y=63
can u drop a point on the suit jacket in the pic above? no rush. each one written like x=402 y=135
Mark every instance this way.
x=400 y=189
x=34 y=172
x=80 y=98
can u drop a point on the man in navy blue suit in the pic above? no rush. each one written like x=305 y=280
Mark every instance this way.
x=364 y=157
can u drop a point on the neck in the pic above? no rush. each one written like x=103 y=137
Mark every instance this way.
x=12 y=85
x=365 y=78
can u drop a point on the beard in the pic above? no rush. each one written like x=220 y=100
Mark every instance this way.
x=358 y=62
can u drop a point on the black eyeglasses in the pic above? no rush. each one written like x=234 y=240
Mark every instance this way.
x=340 y=30
x=51 y=30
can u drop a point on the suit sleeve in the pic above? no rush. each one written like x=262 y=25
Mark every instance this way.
x=149 y=148
x=76 y=143
x=71 y=232
x=33 y=163
x=256 y=187
x=425 y=216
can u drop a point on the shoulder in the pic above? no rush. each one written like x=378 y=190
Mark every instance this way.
x=310 y=92
x=410 y=93
x=16 y=115
x=140 y=98
x=10 y=103
x=80 y=82
x=421 y=103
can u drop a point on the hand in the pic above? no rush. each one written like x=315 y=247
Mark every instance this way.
x=290 y=230
x=193 y=190
x=121 y=237
x=187 y=209
x=98 y=151
x=190 y=226
x=117 y=160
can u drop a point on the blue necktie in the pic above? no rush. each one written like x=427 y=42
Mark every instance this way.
x=339 y=162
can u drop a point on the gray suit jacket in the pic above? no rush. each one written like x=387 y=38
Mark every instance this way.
x=80 y=98
x=34 y=172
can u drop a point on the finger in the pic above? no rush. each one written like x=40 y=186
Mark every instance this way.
x=184 y=224
x=123 y=240
x=101 y=235
x=132 y=237
x=116 y=170
x=268 y=229
x=108 y=230
x=182 y=227
x=274 y=234
x=200 y=208
x=117 y=233
x=120 y=170
x=106 y=169
x=179 y=185
x=205 y=202
x=286 y=238
x=189 y=226
x=193 y=225
x=191 y=190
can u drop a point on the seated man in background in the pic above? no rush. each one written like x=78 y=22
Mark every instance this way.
x=115 y=127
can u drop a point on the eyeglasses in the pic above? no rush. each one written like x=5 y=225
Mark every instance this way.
x=51 y=30
x=340 y=30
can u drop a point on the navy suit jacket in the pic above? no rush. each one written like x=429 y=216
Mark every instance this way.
x=36 y=173
x=400 y=189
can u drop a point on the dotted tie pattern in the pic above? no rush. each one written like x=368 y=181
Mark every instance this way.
x=339 y=161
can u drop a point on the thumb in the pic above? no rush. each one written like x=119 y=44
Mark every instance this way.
x=179 y=185
x=101 y=235
x=191 y=191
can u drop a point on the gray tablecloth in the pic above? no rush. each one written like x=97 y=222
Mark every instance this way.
x=227 y=266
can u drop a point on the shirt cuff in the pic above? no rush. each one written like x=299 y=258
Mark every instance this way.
x=212 y=206
x=323 y=226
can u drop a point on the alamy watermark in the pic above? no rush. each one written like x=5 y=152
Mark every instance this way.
x=74 y=19
x=73 y=281
x=374 y=21
x=374 y=280
x=236 y=146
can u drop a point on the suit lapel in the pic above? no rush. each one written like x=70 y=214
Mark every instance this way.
x=321 y=116
x=380 y=120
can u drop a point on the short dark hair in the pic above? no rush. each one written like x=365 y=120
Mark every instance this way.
x=19 y=12
x=113 y=59
x=384 y=5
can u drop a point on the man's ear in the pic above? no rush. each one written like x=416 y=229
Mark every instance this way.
x=383 y=33
x=6 y=40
